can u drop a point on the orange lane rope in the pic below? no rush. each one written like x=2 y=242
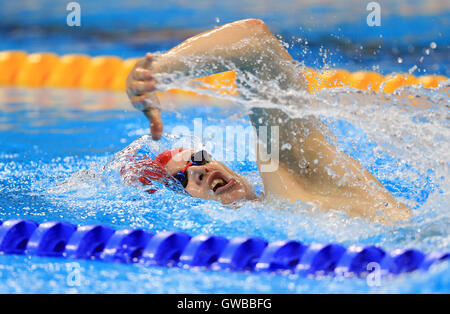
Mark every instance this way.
x=17 y=68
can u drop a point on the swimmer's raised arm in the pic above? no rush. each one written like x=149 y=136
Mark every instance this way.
x=247 y=45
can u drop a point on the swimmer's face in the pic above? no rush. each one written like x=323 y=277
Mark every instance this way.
x=211 y=181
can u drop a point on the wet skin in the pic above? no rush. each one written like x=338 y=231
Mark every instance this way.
x=212 y=181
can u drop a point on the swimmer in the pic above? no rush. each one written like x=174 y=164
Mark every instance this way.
x=313 y=170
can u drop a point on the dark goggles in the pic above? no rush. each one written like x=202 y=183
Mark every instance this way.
x=199 y=158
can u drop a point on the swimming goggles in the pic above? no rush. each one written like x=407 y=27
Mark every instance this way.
x=199 y=158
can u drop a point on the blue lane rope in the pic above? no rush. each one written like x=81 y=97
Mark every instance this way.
x=98 y=242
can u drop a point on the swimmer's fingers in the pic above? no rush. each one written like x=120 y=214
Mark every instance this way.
x=143 y=69
x=150 y=106
x=145 y=101
x=142 y=74
x=140 y=79
x=141 y=87
x=147 y=61
x=139 y=102
x=156 y=125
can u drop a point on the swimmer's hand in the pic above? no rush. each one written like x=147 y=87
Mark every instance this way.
x=141 y=86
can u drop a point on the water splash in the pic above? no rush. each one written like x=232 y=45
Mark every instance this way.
x=401 y=138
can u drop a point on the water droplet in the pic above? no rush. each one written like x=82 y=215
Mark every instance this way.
x=433 y=45
x=412 y=69
x=399 y=60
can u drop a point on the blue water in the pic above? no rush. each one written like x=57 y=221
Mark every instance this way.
x=55 y=145
x=332 y=34
x=44 y=143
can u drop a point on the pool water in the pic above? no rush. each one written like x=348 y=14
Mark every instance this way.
x=58 y=147
x=54 y=166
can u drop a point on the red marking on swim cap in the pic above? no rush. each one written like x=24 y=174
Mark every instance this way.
x=166 y=156
x=146 y=171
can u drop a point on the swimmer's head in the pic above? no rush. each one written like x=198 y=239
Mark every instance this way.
x=145 y=172
x=205 y=178
x=200 y=176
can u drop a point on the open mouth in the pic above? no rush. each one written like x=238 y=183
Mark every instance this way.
x=219 y=184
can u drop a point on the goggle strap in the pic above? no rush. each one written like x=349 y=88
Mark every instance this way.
x=190 y=163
